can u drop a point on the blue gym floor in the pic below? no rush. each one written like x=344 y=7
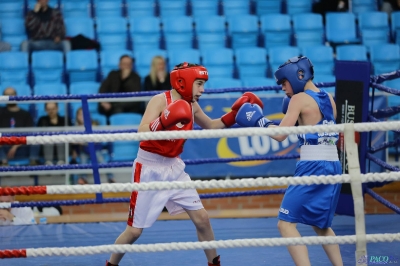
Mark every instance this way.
x=91 y=234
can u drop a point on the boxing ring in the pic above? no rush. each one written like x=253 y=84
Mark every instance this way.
x=252 y=241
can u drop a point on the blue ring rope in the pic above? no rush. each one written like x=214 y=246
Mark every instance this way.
x=382 y=163
x=382 y=200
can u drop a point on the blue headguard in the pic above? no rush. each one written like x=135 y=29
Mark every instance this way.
x=297 y=70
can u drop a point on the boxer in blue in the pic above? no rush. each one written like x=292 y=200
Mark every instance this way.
x=305 y=105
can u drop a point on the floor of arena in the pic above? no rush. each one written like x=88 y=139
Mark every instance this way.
x=90 y=234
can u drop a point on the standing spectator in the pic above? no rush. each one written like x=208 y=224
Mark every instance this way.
x=46 y=29
x=53 y=119
x=122 y=80
x=13 y=116
x=15 y=216
x=158 y=79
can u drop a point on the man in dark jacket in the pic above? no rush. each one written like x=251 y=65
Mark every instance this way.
x=122 y=80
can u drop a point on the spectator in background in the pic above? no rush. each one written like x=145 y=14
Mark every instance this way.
x=390 y=6
x=15 y=216
x=46 y=29
x=158 y=79
x=324 y=6
x=122 y=80
x=13 y=116
x=53 y=119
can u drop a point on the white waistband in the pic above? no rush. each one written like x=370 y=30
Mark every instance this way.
x=153 y=158
x=319 y=153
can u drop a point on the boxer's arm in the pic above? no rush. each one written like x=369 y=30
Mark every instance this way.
x=153 y=110
x=204 y=120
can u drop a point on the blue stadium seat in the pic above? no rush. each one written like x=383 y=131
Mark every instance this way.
x=49 y=89
x=374 y=28
x=182 y=55
x=47 y=66
x=264 y=7
x=85 y=87
x=140 y=8
x=308 y=29
x=125 y=150
x=52 y=3
x=12 y=9
x=109 y=60
x=223 y=83
x=276 y=29
x=298 y=6
x=210 y=32
x=393 y=100
x=13 y=32
x=178 y=32
x=205 y=8
x=321 y=57
x=76 y=8
x=172 y=8
x=260 y=82
x=108 y=8
x=243 y=30
x=13 y=67
x=351 y=52
x=236 y=7
x=21 y=89
x=75 y=26
x=219 y=61
x=385 y=58
x=112 y=32
x=251 y=62
x=279 y=55
x=395 y=26
x=395 y=84
x=145 y=32
x=82 y=65
x=361 y=6
x=324 y=78
x=340 y=27
x=143 y=60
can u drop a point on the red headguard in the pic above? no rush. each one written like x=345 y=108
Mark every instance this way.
x=183 y=76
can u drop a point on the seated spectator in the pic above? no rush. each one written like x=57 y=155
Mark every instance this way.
x=53 y=119
x=158 y=79
x=390 y=6
x=81 y=151
x=325 y=6
x=119 y=81
x=15 y=216
x=45 y=28
x=14 y=117
x=5 y=46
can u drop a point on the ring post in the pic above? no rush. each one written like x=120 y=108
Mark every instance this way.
x=88 y=129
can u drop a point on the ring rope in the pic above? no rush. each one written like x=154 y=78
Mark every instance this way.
x=382 y=163
x=382 y=200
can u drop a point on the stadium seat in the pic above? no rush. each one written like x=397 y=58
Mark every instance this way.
x=49 y=89
x=82 y=65
x=145 y=32
x=260 y=82
x=109 y=60
x=279 y=55
x=361 y=6
x=112 y=32
x=21 y=89
x=76 y=8
x=385 y=58
x=178 y=32
x=182 y=55
x=14 y=67
x=205 y=8
x=298 y=6
x=125 y=150
x=308 y=29
x=276 y=29
x=13 y=32
x=374 y=28
x=264 y=7
x=210 y=32
x=251 y=62
x=85 y=87
x=140 y=8
x=393 y=100
x=236 y=7
x=340 y=27
x=219 y=61
x=243 y=31
x=47 y=66
x=52 y=3
x=223 y=83
x=394 y=83
x=321 y=57
x=75 y=26
x=395 y=26
x=12 y=9
x=107 y=8
x=351 y=52
x=172 y=8
x=143 y=60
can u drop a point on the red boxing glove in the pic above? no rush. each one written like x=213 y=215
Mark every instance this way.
x=248 y=97
x=177 y=112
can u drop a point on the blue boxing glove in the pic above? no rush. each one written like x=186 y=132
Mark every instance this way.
x=251 y=115
x=285 y=104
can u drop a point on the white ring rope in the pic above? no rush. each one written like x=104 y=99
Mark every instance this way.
x=238 y=183
x=211 y=133
x=253 y=242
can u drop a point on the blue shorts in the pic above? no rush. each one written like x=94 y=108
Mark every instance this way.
x=315 y=204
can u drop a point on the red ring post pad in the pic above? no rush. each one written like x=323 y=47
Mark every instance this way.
x=13 y=140
x=23 y=190
x=15 y=253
